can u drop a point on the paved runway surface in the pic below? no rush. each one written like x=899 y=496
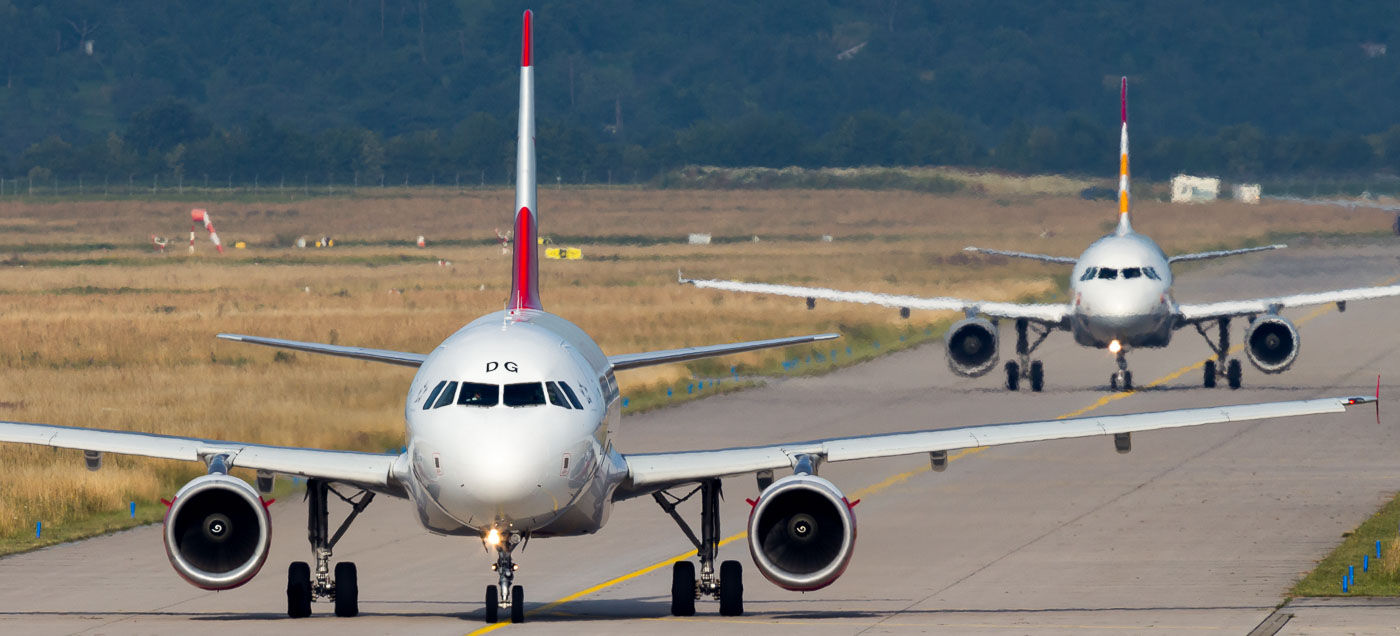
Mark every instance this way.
x=1196 y=530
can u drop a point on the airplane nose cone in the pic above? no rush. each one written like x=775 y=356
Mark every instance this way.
x=499 y=473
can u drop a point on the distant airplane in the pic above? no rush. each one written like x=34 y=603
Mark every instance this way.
x=509 y=427
x=1122 y=299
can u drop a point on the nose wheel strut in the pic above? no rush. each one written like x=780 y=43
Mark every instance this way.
x=686 y=588
x=506 y=594
x=1122 y=379
x=1023 y=367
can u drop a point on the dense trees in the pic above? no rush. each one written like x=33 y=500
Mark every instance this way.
x=393 y=90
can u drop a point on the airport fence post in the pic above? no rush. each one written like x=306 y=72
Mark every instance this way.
x=38 y=529
x=1351 y=575
x=1345 y=586
x=133 y=510
x=1365 y=563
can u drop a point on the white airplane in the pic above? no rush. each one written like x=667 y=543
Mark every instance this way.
x=1122 y=299
x=509 y=427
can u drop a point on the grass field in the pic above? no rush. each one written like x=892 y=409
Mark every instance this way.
x=100 y=331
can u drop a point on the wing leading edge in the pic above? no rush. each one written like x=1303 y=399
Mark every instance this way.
x=1207 y=311
x=655 y=471
x=373 y=471
x=1050 y=314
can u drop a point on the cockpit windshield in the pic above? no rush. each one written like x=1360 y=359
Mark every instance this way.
x=1132 y=272
x=1107 y=273
x=476 y=394
x=524 y=394
x=556 y=397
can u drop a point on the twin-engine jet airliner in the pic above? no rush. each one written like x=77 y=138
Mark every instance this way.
x=1121 y=290
x=510 y=424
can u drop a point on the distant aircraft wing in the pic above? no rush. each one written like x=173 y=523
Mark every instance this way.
x=649 y=358
x=1201 y=256
x=359 y=353
x=650 y=472
x=1230 y=308
x=1065 y=260
x=1042 y=313
x=372 y=471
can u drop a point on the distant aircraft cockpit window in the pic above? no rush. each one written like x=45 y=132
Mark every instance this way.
x=445 y=398
x=476 y=394
x=1107 y=273
x=569 y=392
x=556 y=397
x=428 y=403
x=524 y=394
x=1132 y=272
x=1089 y=273
x=1151 y=273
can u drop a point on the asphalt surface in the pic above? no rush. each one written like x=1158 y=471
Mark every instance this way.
x=1195 y=530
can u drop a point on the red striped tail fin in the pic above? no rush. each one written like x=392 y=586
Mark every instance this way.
x=525 y=274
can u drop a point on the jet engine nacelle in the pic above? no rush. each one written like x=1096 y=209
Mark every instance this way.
x=971 y=347
x=1271 y=343
x=217 y=532
x=802 y=533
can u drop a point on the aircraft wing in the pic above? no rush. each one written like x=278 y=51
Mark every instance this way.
x=656 y=471
x=359 y=353
x=1042 y=313
x=635 y=360
x=372 y=471
x=1230 y=308
x=1201 y=256
x=1065 y=260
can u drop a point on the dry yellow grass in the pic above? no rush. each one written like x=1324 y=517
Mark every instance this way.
x=125 y=341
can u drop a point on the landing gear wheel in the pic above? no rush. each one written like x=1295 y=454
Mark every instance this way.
x=1013 y=375
x=517 y=604
x=683 y=589
x=731 y=589
x=493 y=604
x=1127 y=380
x=1210 y=374
x=298 y=590
x=1113 y=381
x=347 y=590
x=1037 y=376
x=1233 y=373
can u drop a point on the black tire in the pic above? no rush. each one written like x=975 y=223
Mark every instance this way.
x=1037 y=376
x=1127 y=380
x=1234 y=373
x=731 y=589
x=1209 y=379
x=347 y=590
x=493 y=604
x=1013 y=375
x=1113 y=382
x=298 y=590
x=683 y=589
x=517 y=604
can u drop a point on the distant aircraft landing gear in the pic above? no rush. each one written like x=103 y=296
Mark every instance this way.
x=514 y=596
x=1231 y=370
x=728 y=587
x=1122 y=379
x=305 y=586
x=1023 y=367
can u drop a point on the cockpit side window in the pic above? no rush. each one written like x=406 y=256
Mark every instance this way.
x=1107 y=273
x=556 y=397
x=428 y=403
x=1089 y=273
x=524 y=394
x=569 y=393
x=1151 y=273
x=477 y=394
x=1132 y=272
x=445 y=398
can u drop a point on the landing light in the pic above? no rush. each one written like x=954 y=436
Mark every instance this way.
x=1113 y=347
x=493 y=538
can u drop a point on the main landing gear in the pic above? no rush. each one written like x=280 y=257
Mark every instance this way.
x=1122 y=379
x=514 y=595
x=728 y=587
x=305 y=586
x=1023 y=367
x=1231 y=369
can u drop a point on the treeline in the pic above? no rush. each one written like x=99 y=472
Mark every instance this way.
x=170 y=141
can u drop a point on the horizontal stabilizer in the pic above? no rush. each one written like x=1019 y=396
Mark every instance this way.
x=1034 y=257
x=1201 y=256
x=635 y=360
x=359 y=353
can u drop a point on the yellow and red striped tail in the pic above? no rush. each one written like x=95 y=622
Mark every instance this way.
x=1124 y=224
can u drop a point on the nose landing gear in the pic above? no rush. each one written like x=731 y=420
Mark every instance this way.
x=1220 y=367
x=507 y=594
x=1122 y=379
x=1023 y=367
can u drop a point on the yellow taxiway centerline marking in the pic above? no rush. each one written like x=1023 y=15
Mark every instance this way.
x=888 y=482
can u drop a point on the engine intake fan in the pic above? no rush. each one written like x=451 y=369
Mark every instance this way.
x=217 y=532
x=802 y=533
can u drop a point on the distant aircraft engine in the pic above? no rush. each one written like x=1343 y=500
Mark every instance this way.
x=217 y=532
x=972 y=347
x=1272 y=344
x=802 y=533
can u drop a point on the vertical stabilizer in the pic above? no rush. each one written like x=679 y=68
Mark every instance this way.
x=1125 y=225
x=525 y=275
